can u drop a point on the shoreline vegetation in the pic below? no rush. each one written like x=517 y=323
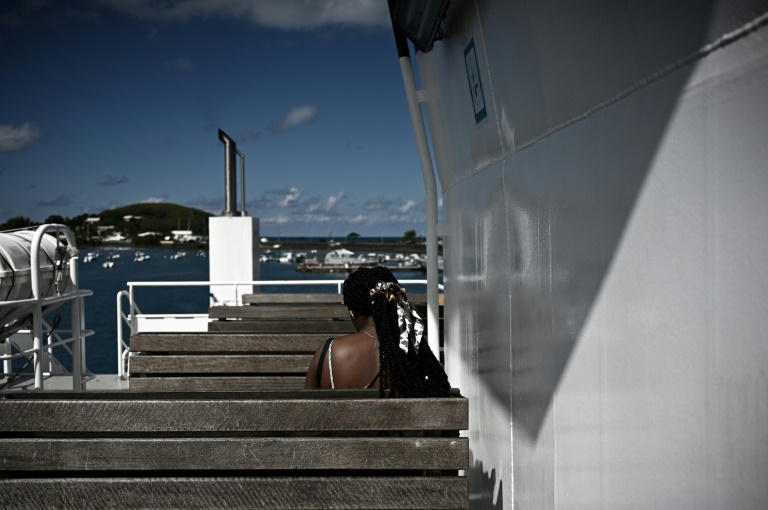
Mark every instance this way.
x=355 y=246
x=292 y=245
x=142 y=226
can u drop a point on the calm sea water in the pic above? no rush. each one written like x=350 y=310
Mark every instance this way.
x=101 y=308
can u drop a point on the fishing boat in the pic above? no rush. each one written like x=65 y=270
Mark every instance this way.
x=339 y=260
x=289 y=257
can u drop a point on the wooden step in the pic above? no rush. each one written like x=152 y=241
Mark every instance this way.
x=320 y=327
x=316 y=299
x=223 y=364
x=241 y=493
x=232 y=453
x=304 y=410
x=217 y=383
x=208 y=343
x=293 y=299
x=279 y=312
x=228 y=449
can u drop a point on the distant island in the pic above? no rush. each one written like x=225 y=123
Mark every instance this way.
x=137 y=224
x=175 y=225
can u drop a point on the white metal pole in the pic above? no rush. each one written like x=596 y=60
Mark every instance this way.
x=37 y=313
x=430 y=189
x=120 y=371
x=5 y=349
x=134 y=326
x=78 y=347
x=77 y=316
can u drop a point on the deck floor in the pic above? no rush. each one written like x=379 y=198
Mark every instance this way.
x=64 y=382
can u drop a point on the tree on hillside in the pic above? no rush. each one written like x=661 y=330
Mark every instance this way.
x=409 y=237
x=55 y=218
x=17 y=222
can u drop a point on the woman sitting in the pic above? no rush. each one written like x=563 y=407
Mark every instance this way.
x=388 y=348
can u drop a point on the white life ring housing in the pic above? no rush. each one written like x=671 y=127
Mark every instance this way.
x=16 y=273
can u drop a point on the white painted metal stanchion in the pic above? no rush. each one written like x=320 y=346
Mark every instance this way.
x=430 y=189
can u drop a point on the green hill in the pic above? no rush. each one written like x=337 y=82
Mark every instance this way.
x=130 y=220
x=134 y=219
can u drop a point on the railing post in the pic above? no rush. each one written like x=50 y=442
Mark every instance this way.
x=77 y=348
x=37 y=313
x=134 y=327
x=430 y=188
x=120 y=371
x=5 y=350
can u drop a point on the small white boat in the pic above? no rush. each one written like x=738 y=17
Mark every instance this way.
x=289 y=257
x=108 y=264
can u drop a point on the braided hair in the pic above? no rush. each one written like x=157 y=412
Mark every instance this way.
x=416 y=373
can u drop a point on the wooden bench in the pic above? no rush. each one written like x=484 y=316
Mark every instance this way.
x=296 y=313
x=266 y=344
x=271 y=450
x=225 y=361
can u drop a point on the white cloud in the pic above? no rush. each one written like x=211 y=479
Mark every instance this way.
x=14 y=139
x=290 y=198
x=296 y=117
x=334 y=200
x=155 y=200
x=281 y=220
x=377 y=203
x=358 y=219
x=403 y=218
x=282 y=14
x=410 y=204
x=328 y=205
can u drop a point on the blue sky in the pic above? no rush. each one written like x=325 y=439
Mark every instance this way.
x=105 y=103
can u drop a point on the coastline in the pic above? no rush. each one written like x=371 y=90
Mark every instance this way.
x=360 y=246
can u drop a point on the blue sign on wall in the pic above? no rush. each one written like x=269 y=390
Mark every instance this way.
x=475 y=86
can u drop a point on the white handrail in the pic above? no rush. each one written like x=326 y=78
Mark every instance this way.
x=122 y=346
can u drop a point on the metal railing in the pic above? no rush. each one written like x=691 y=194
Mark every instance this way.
x=41 y=305
x=134 y=313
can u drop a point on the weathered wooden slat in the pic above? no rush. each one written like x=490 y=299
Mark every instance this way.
x=269 y=394
x=284 y=326
x=237 y=493
x=236 y=453
x=190 y=415
x=312 y=299
x=230 y=383
x=331 y=299
x=222 y=364
x=223 y=342
x=283 y=312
